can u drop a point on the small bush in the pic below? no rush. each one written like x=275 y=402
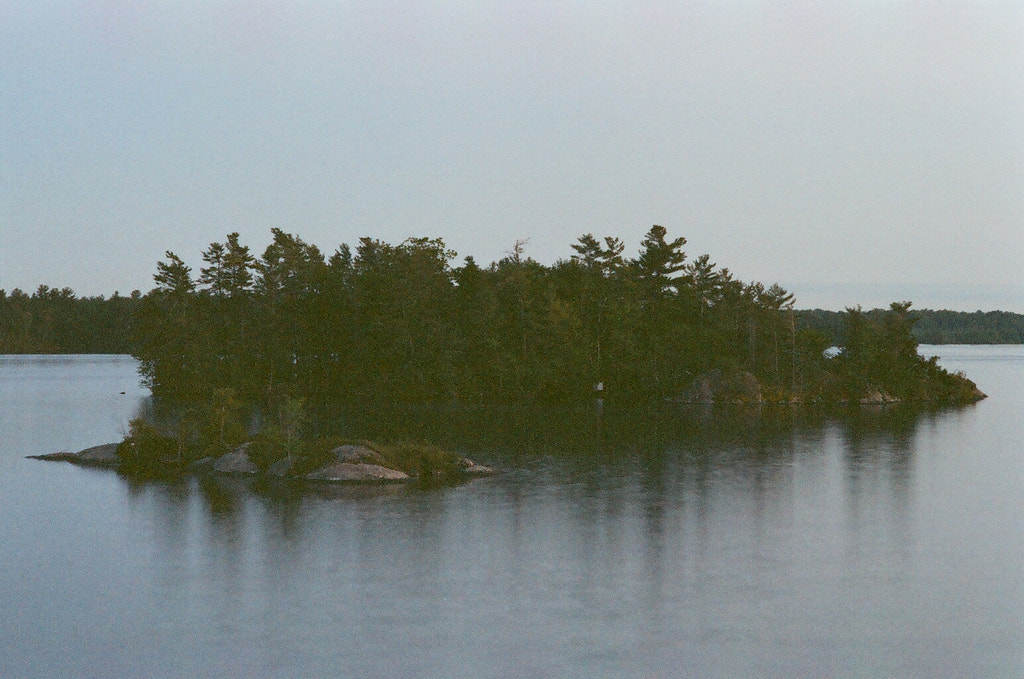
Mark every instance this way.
x=424 y=461
x=146 y=451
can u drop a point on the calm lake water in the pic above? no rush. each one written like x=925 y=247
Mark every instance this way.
x=673 y=544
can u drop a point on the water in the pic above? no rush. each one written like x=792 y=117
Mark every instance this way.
x=882 y=547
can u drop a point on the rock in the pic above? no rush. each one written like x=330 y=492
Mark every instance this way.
x=877 y=398
x=703 y=389
x=62 y=456
x=236 y=462
x=468 y=466
x=281 y=468
x=97 y=456
x=202 y=465
x=715 y=386
x=103 y=456
x=356 y=472
x=355 y=454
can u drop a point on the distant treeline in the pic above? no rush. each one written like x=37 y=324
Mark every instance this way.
x=930 y=327
x=55 y=321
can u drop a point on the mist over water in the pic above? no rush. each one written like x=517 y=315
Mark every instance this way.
x=669 y=543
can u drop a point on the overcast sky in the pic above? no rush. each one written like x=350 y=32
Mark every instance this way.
x=854 y=152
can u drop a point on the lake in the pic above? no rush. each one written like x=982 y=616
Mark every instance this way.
x=670 y=544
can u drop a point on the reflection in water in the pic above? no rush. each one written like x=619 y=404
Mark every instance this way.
x=754 y=541
x=654 y=512
x=879 y=461
x=668 y=491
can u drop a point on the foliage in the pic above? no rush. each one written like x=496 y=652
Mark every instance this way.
x=880 y=361
x=421 y=460
x=55 y=321
x=401 y=324
x=283 y=437
x=146 y=451
x=221 y=429
x=931 y=327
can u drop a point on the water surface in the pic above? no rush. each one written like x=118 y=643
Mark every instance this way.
x=657 y=545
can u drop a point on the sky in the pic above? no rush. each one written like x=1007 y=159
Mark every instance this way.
x=856 y=153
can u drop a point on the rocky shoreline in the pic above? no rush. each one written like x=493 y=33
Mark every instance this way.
x=349 y=464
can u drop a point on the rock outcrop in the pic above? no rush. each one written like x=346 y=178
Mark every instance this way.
x=356 y=454
x=96 y=456
x=103 y=456
x=236 y=462
x=715 y=386
x=356 y=472
x=354 y=464
x=877 y=397
x=468 y=466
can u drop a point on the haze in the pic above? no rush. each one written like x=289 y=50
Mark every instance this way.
x=855 y=152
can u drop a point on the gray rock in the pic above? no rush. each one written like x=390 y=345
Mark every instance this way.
x=356 y=472
x=104 y=455
x=354 y=454
x=236 y=462
x=877 y=397
x=468 y=466
x=202 y=465
x=97 y=456
x=62 y=456
x=478 y=470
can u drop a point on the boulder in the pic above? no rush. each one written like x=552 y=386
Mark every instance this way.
x=468 y=466
x=236 y=462
x=356 y=472
x=355 y=454
x=102 y=456
x=877 y=398
x=202 y=465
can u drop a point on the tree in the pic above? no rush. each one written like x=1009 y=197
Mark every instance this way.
x=170 y=335
x=293 y=342
x=174 y=276
x=230 y=267
x=660 y=261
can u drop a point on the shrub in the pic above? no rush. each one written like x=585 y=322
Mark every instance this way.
x=146 y=451
x=424 y=461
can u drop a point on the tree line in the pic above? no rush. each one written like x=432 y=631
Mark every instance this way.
x=930 y=327
x=403 y=324
x=56 y=321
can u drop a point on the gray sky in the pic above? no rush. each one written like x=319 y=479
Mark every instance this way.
x=854 y=152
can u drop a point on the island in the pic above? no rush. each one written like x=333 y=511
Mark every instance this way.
x=149 y=455
x=247 y=360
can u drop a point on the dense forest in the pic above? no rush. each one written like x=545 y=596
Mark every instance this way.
x=930 y=327
x=55 y=321
x=401 y=323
